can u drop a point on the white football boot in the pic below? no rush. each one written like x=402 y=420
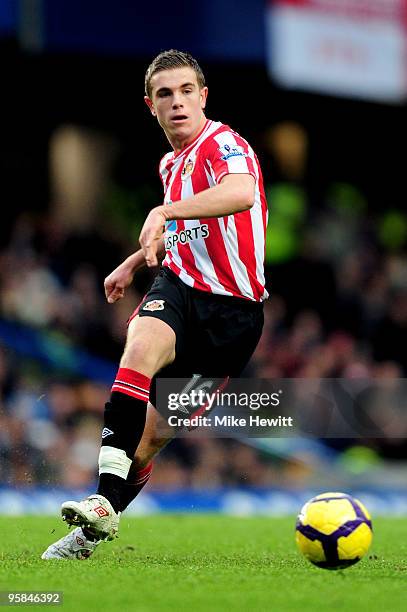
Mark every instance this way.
x=95 y=513
x=75 y=545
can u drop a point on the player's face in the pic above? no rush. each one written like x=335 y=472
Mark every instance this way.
x=178 y=103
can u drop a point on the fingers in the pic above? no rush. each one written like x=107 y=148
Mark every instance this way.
x=117 y=294
x=150 y=235
x=108 y=289
x=113 y=292
x=149 y=246
x=150 y=254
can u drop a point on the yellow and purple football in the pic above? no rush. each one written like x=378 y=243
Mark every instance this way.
x=334 y=530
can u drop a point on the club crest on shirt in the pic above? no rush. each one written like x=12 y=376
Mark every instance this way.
x=232 y=151
x=154 y=305
x=188 y=169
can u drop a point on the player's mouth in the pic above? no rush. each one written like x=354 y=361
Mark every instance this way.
x=179 y=118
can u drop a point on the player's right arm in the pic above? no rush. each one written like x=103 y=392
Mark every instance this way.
x=117 y=282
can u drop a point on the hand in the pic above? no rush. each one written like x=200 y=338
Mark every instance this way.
x=151 y=234
x=116 y=283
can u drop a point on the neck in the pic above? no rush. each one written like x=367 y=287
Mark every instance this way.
x=180 y=143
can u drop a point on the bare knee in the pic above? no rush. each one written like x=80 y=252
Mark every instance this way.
x=150 y=346
x=137 y=353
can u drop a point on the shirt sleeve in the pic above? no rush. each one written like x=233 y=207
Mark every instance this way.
x=228 y=153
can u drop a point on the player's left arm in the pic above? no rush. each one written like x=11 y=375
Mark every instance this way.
x=235 y=193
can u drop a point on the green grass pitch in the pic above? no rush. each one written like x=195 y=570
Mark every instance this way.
x=203 y=563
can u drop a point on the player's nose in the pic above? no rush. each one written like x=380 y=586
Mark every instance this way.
x=176 y=102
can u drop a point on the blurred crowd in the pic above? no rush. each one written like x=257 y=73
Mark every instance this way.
x=338 y=308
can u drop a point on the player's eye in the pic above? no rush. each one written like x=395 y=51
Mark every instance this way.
x=187 y=91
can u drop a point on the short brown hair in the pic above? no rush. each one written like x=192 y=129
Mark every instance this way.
x=168 y=60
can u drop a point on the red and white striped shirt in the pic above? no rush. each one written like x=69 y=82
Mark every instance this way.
x=222 y=255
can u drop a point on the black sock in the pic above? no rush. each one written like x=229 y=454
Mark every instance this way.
x=111 y=487
x=124 y=422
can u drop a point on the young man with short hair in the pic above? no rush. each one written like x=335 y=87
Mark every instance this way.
x=203 y=314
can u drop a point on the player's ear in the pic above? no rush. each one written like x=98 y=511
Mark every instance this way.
x=204 y=95
x=150 y=105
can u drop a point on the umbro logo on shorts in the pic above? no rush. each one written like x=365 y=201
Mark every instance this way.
x=154 y=305
x=106 y=432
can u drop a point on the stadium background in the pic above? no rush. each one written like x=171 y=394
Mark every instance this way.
x=79 y=155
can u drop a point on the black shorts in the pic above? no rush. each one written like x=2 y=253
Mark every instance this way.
x=215 y=335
